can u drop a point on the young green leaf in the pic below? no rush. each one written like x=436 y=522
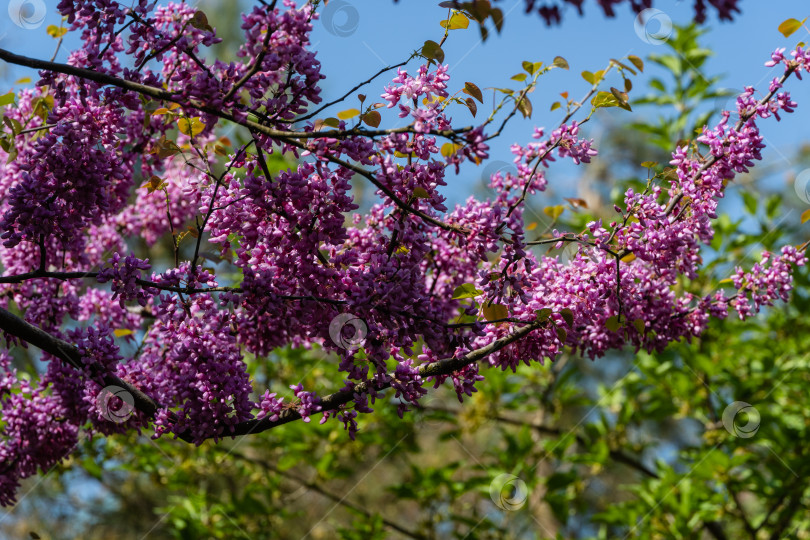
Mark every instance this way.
x=525 y=107
x=560 y=62
x=543 y=314
x=348 y=114
x=466 y=290
x=55 y=31
x=432 y=51
x=458 y=21
x=554 y=212
x=789 y=26
x=191 y=127
x=604 y=99
x=568 y=316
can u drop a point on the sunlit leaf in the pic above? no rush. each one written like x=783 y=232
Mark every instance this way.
x=554 y=212
x=789 y=26
x=472 y=90
x=604 y=99
x=458 y=21
x=191 y=127
x=55 y=31
x=466 y=290
x=348 y=113
x=495 y=312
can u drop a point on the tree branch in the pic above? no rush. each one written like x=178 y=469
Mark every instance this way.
x=336 y=400
x=17 y=327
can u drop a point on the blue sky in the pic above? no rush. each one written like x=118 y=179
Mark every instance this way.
x=355 y=38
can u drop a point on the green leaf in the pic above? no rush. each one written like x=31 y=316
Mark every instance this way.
x=432 y=51
x=448 y=149
x=805 y=216
x=420 y=193
x=348 y=113
x=790 y=26
x=7 y=99
x=750 y=201
x=458 y=21
x=543 y=314
x=568 y=316
x=55 y=31
x=520 y=77
x=200 y=21
x=639 y=325
x=494 y=312
x=556 y=105
x=560 y=62
x=466 y=290
x=191 y=127
x=613 y=323
x=604 y=99
x=554 y=212
x=525 y=107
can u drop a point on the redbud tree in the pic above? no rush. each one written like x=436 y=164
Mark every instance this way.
x=123 y=144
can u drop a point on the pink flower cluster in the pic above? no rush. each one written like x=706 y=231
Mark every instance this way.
x=299 y=253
